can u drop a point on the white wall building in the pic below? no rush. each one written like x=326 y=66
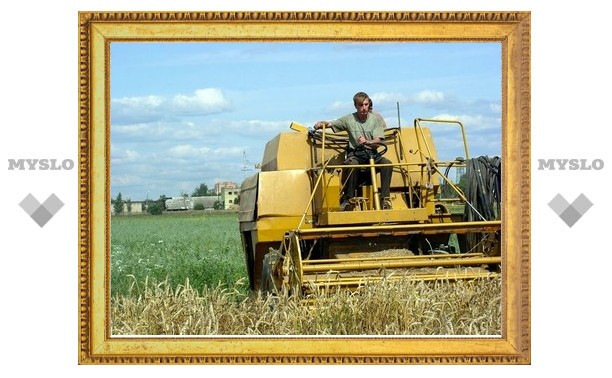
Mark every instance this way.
x=230 y=198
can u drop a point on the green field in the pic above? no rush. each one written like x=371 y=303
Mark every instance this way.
x=202 y=247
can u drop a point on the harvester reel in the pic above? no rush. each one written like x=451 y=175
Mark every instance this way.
x=292 y=264
x=281 y=270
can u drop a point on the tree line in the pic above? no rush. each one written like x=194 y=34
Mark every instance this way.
x=156 y=207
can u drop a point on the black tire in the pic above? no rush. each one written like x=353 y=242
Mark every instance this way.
x=267 y=273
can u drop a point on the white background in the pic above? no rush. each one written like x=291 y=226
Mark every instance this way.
x=570 y=266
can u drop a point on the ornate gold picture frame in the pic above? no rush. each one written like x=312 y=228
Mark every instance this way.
x=98 y=29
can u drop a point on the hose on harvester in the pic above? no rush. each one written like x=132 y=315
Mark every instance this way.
x=483 y=188
x=483 y=192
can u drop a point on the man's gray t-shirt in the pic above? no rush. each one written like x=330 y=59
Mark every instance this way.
x=371 y=128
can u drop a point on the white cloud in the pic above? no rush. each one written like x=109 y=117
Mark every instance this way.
x=124 y=180
x=134 y=128
x=340 y=106
x=148 y=102
x=211 y=154
x=123 y=155
x=146 y=109
x=262 y=130
x=187 y=150
x=229 y=151
x=387 y=98
x=203 y=101
x=474 y=122
x=428 y=96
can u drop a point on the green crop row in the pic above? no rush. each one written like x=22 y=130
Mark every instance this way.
x=203 y=248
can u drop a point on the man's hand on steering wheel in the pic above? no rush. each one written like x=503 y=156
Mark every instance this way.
x=375 y=147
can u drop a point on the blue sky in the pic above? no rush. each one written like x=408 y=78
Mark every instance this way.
x=183 y=114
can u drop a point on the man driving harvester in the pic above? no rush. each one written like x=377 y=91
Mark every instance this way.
x=365 y=134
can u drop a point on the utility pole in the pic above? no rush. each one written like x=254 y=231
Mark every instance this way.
x=245 y=164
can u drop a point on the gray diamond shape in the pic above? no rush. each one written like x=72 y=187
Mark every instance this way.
x=570 y=213
x=29 y=204
x=41 y=213
x=558 y=204
x=41 y=216
x=53 y=204
x=582 y=204
x=570 y=216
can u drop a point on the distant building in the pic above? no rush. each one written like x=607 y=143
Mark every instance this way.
x=189 y=203
x=230 y=198
x=179 y=203
x=208 y=202
x=219 y=186
x=135 y=207
x=226 y=199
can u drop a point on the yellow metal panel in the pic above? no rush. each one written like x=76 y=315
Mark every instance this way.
x=274 y=228
x=372 y=216
x=328 y=192
x=288 y=150
x=298 y=127
x=403 y=147
x=283 y=193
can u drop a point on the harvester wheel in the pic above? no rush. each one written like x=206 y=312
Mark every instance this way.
x=269 y=275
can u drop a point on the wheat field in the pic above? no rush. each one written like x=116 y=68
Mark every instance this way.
x=184 y=274
x=387 y=308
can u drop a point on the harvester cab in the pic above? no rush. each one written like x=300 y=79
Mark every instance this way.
x=297 y=237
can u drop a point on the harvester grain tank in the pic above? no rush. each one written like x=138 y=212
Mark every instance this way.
x=296 y=237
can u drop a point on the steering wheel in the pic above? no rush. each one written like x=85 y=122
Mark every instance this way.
x=375 y=153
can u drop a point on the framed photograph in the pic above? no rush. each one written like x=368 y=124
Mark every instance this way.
x=171 y=102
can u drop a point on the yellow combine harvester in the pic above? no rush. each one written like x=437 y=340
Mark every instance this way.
x=296 y=237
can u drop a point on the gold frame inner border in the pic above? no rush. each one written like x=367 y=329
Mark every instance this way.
x=98 y=29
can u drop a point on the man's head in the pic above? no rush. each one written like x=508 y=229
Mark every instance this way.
x=362 y=104
x=360 y=98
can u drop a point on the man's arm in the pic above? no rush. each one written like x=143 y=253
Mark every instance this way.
x=378 y=138
x=372 y=143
